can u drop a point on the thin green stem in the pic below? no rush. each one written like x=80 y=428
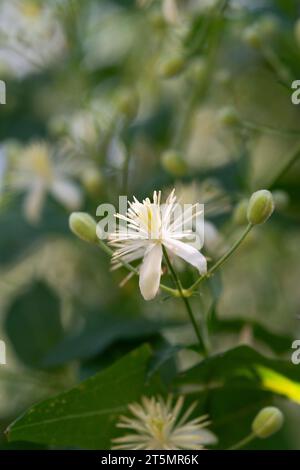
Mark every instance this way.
x=222 y=260
x=126 y=170
x=276 y=65
x=295 y=154
x=227 y=255
x=186 y=302
x=183 y=127
x=243 y=442
x=252 y=126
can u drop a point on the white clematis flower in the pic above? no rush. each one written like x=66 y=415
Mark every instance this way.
x=159 y=425
x=150 y=227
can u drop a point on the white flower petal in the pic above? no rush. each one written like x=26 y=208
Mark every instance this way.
x=34 y=201
x=150 y=272
x=67 y=193
x=213 y=239
x=207 y=437
x=188 y=253
x=155 y=426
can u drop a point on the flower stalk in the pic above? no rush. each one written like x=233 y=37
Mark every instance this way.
x=186 y=302
x=243 y=442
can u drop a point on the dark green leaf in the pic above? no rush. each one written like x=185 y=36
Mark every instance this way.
x=33 y=324
x=85 y=416
x=244 y=366
x=17 y=235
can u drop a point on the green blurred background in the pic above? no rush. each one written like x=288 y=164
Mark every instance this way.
x=123 y=97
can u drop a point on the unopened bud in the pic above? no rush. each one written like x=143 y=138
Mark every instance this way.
x=173 y=163
x=228 y=116
x=252 y=36
x=240 y=212
x=281 y=199
x=92 y=180
x=261 y=31
x=83 y=226
x=260 y=207
x=172 y=66
x=128 y=103
x=267 y=422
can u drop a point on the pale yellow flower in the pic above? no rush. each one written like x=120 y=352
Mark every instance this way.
x=158 y=424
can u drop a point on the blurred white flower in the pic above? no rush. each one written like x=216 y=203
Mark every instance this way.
x=31 y=36
x=107 y=35
x=161 y=425
x=37 y=173
x=150 y=227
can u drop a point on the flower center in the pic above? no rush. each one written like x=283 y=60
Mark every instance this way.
x=150 y=221
x=39 y=162
x=158 y=428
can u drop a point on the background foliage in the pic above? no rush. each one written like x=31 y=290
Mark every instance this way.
x=107 y=87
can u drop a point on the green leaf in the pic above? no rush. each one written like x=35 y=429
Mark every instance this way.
x=17 y=235
x=33 y=324
x=233 y=386
x=244 y=366
x=164 y=361
x=85 y=416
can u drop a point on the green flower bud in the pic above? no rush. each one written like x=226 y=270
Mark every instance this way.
x=260 y=207
x=297 y=32
x=172 y=66
x=240 y=212
x=83 y=226
x=127 y=103
x=228 y=116
x=252 y=36
x=267 y=422
x=259 y=32
x=92 y=180
x=281 y=199
x=173 y=163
